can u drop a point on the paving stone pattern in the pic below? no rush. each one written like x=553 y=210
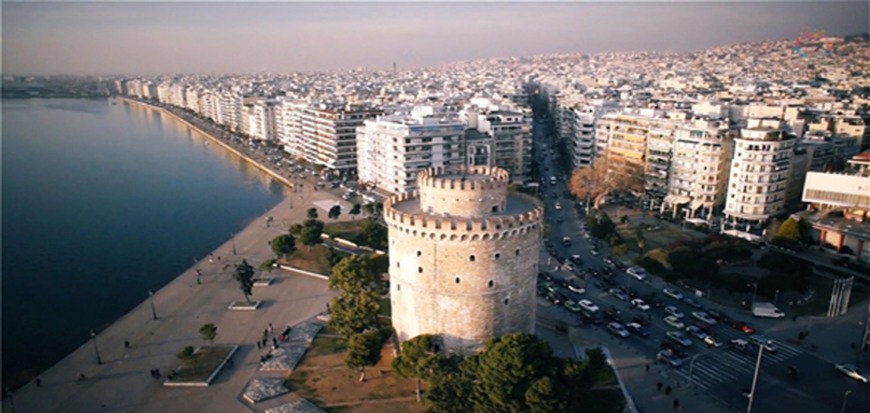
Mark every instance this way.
x=260 y=389
x=306 y=331
x=301 y=406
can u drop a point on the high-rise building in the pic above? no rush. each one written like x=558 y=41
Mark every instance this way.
x=464 y=257
x=329 y=135
x=699 y=166
x=498 y=137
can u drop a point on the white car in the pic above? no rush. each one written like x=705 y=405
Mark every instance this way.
x=851 y=371
x=618 y=330
x=593 y=252
x=558 y=206
x=679 y=338
x=676 y=295
x=674 y=322
x=710 y=341
x=588 y=305
x=700 y=315
x=674 y=311
x=760 y=340
x=637 y=273
x=640 y=304
x=576 y=289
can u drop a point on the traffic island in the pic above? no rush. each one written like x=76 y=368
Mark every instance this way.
x=264 y=388
x=202 y=368
x=244 y=305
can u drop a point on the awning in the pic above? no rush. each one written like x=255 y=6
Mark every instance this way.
x=677 y=199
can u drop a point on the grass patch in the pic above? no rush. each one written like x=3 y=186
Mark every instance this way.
x=324 y=345
x=349 y=230
x=605 y=377
x=313 y=260
x=208 y=358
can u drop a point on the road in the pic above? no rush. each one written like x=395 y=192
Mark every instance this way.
x=722 y=372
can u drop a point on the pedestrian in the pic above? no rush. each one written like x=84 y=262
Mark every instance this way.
x=38 y=382
x=271 y=329
x=157 y=373
x=126 y=344
x=659 y=387
x=258 y=345
x=668 y=391
x=82 y=377
x=275 y=342
x=647 y=368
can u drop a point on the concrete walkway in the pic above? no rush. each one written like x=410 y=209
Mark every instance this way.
x=122 y=383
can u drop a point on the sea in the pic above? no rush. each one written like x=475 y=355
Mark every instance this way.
x=101 y=202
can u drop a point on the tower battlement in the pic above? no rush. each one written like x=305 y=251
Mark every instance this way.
x=463 y=191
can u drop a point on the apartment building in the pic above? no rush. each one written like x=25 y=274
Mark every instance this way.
x=288 y=126
x=328 y=135
x=699 y=167
x=760 y=171
x=498 y=137
x=392 y=149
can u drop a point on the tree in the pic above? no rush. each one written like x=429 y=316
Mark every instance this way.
x=332 y=257
x=284 y=245
x=334 y=212
x=373 y=234
x=355 y=210
x=450 y=388
x=363 y=350
x=542 y=397
x=417 y=359
x=789 y=230
x=245 y=276
x=369 y=208
x=601 y=178
x=311 y=232
x=187 y=354
x=351 y=314
x=312 y=213
x=357 y=273
x=208 y=332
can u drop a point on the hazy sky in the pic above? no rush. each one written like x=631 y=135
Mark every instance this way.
x=215 y=37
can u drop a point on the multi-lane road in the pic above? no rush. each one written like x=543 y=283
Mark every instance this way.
x=723 y=372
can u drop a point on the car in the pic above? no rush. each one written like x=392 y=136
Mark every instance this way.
x=741 y=326
x=576 y=259
x=618 y=294
x=594 y=316
x=637 y=273
x=674 y=322
x=700 y=315
x=637 y=329
x=574 y=288
x=740 y=344
x=550 y=286
x=545 y=275
x=640 y=304
x=694 y=302
x=670 y=358
x=554 y=195
x=851 y=371
x=607 y=260
x=679 y=338
x=542 y=291
x=618 y=330
x=558 y=206
x=572 y=306
x=566 y=241
x=718 y=315
x=670 y=292
x=559 y=219
x=674 y=349
x=588 y=305
x=674 y=311
x=697 y=332
x=569 y=267
x=594 y=252
x=554 y=297
x=760 y=340
x=711 y=342
x=606 y=270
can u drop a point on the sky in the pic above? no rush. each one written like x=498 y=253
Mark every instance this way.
x=143 y=38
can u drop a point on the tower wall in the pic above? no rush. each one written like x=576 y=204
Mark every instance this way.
x=463 y=191
x=463 y=279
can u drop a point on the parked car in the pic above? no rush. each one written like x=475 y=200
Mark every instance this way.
x=637 y=273
x=718 y=315
x=697 y=332
x=670 y=292
x=852 y=371
x=674 y=311
x=694 y=302
x=679 y=338
x=674 y=349
x=545 y=275
x=700 y=315
x=670 y=358
x=576 y=259
x=588 y=305
x=637 y=329
x=566 y=241
x=618 y=330
x=674 y=322
x=613 y=315
x=741 y=345
x=640 y=304
x=572 y=306
x=619 y=294
x=607 y=260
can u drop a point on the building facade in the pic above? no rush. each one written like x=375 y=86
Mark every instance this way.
x=464 y=255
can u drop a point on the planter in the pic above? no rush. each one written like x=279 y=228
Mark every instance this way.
x=244 y=305
x=210 y=361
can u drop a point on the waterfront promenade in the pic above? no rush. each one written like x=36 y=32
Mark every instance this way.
x=123 y=383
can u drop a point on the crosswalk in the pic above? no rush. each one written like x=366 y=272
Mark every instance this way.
x=717 y=366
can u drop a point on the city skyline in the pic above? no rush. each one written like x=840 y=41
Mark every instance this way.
x=153 y=38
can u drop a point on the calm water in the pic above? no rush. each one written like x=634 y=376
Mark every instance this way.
x=101 y=203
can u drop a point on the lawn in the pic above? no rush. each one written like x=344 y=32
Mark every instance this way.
x=198 y=370
x=313 y=260
x=348 y=230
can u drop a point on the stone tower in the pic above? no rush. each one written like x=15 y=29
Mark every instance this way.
x=463 y=257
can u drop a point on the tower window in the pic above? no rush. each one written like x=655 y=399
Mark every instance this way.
x=420 y=270
x=398 y=264
x=457 y=280
x=517 y=252
x=507 y=300
x=495 y=208
x=497 y=255
x=490 y=283
x=398 y=287
x=471 y=258
x=419 y=253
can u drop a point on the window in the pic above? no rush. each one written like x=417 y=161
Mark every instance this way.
x=507 y=300
x=420 y=270
x=497 y=255
x=398 y=264
x=419 y=253
x=398 y=287
x=495 y=208
x=471 y=258
x=490 y=283
x=457 y=280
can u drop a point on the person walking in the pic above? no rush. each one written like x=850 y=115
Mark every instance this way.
x=38 y=382
x=126 y=344
x=270 y=329
x=668 y=391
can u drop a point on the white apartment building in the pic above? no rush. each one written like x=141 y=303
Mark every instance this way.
x=288 y=126
x=498 y=136
x=392 y=149
x=191 y=98
x=329 y=136
x=581 y=143
x=699 y=167
x=760 y=171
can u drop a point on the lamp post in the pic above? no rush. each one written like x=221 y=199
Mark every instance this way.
x=153 y=310
x=11 y=400
x=845 y=398
x=96 y=349
x=754 y=292
x=755 y=378
x=233 y=238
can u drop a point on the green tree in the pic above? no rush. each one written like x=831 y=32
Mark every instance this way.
x=357 y=273
x=355 y=210
x=310 y=234
x=373 y=234
x=208 y=332
x=187 y=354
x=450 y=389
x=332 y=256
x=351 y=314
x=312 y=213
x=334 y=212
x=369 y=208
x=417 y=360
x=363 y=350
x=284 y=245
x=245 y=276
x=789 y=230
x=542 y=397
x=296 y=229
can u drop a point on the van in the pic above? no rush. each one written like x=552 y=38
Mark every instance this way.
x=767 y=310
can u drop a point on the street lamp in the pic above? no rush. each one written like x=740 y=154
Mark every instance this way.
x=233 y=238
x=755 y=378
x=845 y=397
x=754 y=292
x=153 y=310
x=96 y=349
x=11 y=400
